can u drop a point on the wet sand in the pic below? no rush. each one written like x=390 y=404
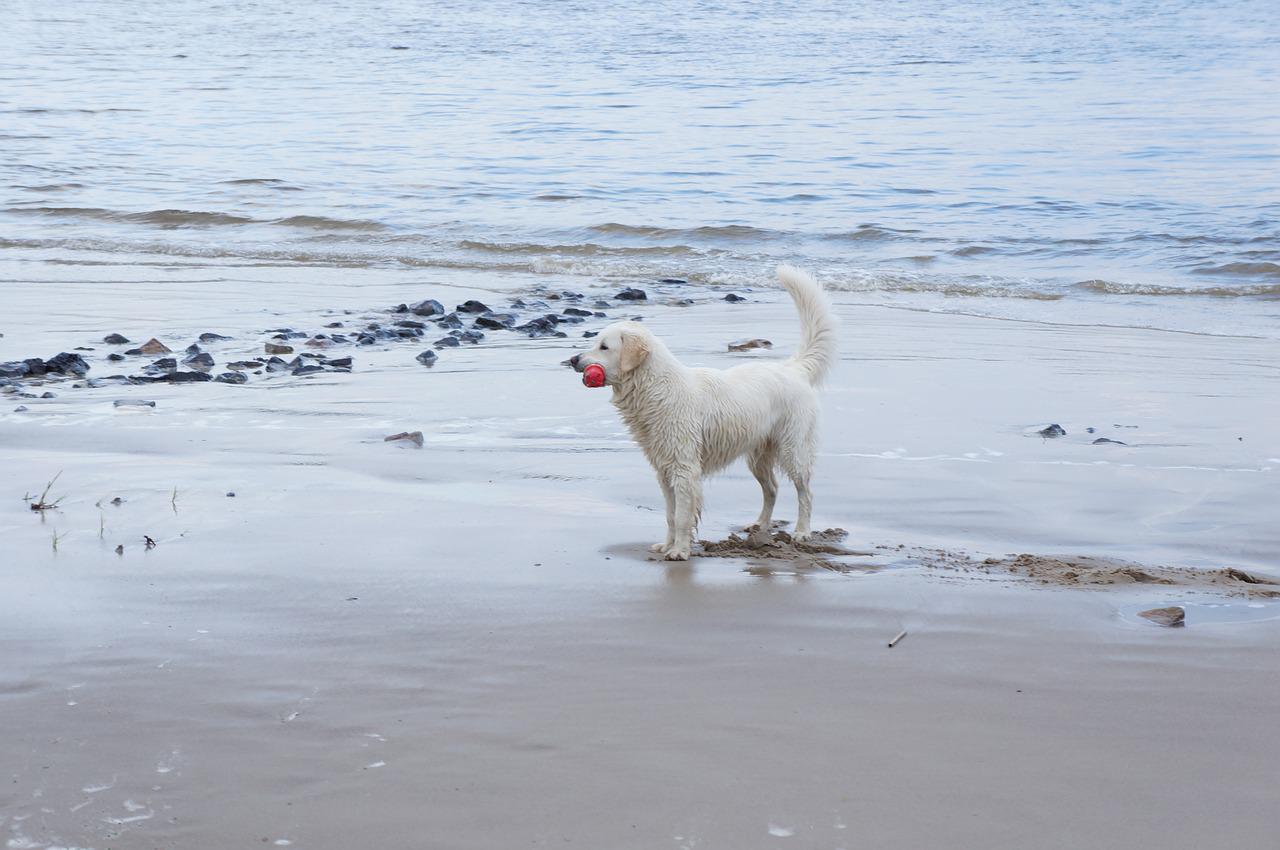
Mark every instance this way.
x=466 y=646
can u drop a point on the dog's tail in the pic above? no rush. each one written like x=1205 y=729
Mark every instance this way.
x=817 y=324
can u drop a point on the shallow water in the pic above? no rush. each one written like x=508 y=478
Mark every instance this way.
x=1086 y=151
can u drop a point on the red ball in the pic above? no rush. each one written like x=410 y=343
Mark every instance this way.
x=593 y=375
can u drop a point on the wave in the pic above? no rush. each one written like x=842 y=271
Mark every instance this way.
x=1250 y=269
x=175 y=218
x=320 y=222
x=726 y=231
x=1108 y=287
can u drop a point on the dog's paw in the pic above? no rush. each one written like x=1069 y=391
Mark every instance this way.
x=660 y=547
x=677 y=553
x=801 y=536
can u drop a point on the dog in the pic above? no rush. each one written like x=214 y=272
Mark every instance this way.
x=694 y=422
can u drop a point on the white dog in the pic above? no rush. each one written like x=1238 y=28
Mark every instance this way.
x=693 y=422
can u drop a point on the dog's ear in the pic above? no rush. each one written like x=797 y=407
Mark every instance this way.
x=634 y=351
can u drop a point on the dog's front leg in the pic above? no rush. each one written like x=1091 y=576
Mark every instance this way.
x=688 y=506
x=668 y=495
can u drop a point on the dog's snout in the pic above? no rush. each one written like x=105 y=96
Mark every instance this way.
x=573 y=361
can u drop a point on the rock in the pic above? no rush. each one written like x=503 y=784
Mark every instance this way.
x=450 y=321
x=471 y=336
x=85 y=348
x=496 y=321
x=631 y=294
x=749 y=344
x=446 y=342
x=330 y=325
x=1054 y=430
x=14 y=369
x=589 y=334
x=133 y=402
x=115 y=339
x=341 y=362
x=202 y=361
x=1172 y=616
x=429 y=357
x=576 y=311
x=191 y=349
x=22 y=408
x=410 y=323
x=680 y=302
x=36 y=367
x=429 y=307
x=115 y=358
x=68 y=364
x=733 y=298
x=413 y=437
x=318 y=341
x=1103 y=440
x=188 y=377
x=245 y=365
x=275 y=364
x=472 y=306
x=276 y=348
x=232 y=378
x=161 y=367
x=307 y=369
x=208 y=336
x=154 y=346
x=673 y=280
x=572 y=296
x=47 y=395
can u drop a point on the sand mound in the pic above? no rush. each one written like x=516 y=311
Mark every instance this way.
x=821 y=551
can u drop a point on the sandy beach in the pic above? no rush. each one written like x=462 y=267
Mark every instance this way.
x=242 y=245
x=466 y=645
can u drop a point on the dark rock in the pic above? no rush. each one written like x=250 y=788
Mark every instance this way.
x=307 y=369
x=518 y=304
x=631 y=294
x=232 y=378
x=450 y=321
x=471 y=307
x=130 y=402
x=188 y=377
x=410 y=437
x=472 y=336
x=749 y=344
x=589 y=334
x=1054 y=430
x=162 y=367
x=601 y=304
x=446 y=342
x=85 y=348
x=22 y=408
x=409 y=323
x=673 y=280
x=733 y=298
x=541 y=326
x=191 y=349
x=14 y=369
x=275 y=364
x=115 y=358
x=496 y=321
x=318 y=341
x=576 y=311
x=1103 y=440
x=231 y=494
x=245 y=365
x=429 y=307
x=203 y=361
x=1173 y=616
x=341 y=362
x=209 y=336
x=154 y=346
x=67 y=364
x=572 y=296
x=330 y=325
x=133 y=351
x=400 y=308
x=429 y=357
x=276 y=348
x=36 y=367
x=115 y=339
x=571 y=320
x=47 y=395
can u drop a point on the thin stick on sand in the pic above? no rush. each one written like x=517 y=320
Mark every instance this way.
x=900 y=636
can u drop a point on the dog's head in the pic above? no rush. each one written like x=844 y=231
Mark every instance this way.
x=620 y=349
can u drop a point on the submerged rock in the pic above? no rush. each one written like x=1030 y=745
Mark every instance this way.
x=496 y=321
x=232 y=378
x=341 y=362
x=749 y=344
x=450 y=321
x=115 y=358
x=277 y=348
x=632 y=294
x=208 y=336
x=429 y=307
x=307 y=369
x=429 y=357
x=576 y=311
x=201 y=360
x=733 y=298
x=472 y=306
x=1172 y=616
x=1054 y=430
x=445 y=342
x=1104 y=440
x=132 y=402
x=115 y=339
x=411 y=437
x=187 y=377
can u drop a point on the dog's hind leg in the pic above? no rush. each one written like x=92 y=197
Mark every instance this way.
x=761 y=463
x=669 y=496
x=797 y=462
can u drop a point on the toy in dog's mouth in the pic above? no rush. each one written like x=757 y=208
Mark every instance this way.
x=593 y=375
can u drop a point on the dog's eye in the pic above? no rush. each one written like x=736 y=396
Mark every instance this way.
x=604 y=347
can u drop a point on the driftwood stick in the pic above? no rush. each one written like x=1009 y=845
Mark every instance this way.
x=899 y=637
